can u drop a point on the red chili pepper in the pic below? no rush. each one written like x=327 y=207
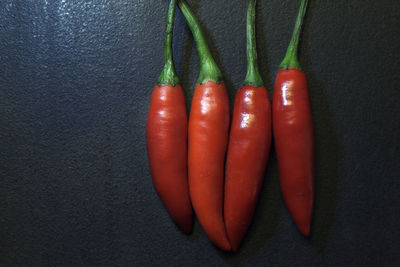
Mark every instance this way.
x=293 y=133
x=208 y=139
x=166 y=134
x=249 y=144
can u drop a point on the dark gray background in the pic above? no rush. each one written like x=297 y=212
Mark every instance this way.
x=75 y=84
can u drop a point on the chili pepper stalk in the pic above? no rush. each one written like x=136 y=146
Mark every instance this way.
x=291 y=60
x=253 y=76
x=168 y=74
x=209 y=70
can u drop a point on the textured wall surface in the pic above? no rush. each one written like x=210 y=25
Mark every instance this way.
x=75 y=83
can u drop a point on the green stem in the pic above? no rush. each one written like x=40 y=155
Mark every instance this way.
x=253 y=76
x=168 y=74
x=291 y=61
x=209 y=70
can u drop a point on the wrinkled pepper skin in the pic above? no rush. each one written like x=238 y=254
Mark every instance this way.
x=247 y=157
x=208 y=139
x=166 y=133
x=294 y=145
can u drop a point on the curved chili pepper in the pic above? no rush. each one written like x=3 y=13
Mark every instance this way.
x=208 y=139
x=166 y=134
x=293 y=133
x=249 y=144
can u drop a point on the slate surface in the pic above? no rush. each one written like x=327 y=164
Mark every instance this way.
x=75 y=82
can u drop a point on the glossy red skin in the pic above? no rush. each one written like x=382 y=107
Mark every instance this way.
x=208 y=139
x=248 y=151
x=166 y=134
x=294 y=145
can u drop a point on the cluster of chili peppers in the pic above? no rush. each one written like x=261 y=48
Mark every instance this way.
x=217 y=170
